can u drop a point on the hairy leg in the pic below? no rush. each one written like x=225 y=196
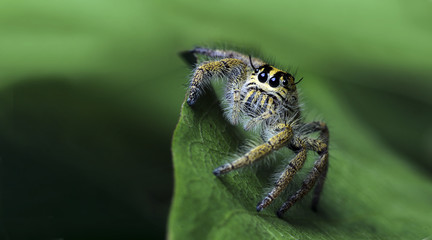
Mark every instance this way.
x=217 y=53
x=233 y=69
x=234 y=96
x=320 y=168
x=293 y=166
x=319 y=171
x=276 y=142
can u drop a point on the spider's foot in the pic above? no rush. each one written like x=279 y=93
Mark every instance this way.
x=284 y=208
x=191 y=101
x=259 y=208
x=217 y=172
x=193 y=95
x=264 y=203
x=222 y=169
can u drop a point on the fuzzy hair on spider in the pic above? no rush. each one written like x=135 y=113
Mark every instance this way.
x=262 y=97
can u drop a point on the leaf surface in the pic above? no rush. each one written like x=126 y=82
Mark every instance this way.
x=370 y=193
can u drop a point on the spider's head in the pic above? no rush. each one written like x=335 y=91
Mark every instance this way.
x=273 y=80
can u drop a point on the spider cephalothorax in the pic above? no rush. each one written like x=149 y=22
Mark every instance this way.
x=269 y=93
x=260 y=95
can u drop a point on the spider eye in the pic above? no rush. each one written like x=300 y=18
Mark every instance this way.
x=262 y=77
x=285 y=81
x=256 y=70
x=273 y=82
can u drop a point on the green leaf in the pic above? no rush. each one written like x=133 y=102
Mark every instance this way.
x=370 y=193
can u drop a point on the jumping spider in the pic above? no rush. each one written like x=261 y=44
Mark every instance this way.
x=260 y=95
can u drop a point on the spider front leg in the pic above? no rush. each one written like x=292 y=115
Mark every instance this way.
x=233 y=95
x=254 y=121
x=217 y=53
x=233 y=69
x=319 y=171
x=283 y=136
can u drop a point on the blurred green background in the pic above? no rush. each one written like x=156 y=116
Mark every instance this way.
x=90 y=92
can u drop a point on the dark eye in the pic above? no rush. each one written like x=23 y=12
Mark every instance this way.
x=262 y=77
x=256 y=70
x=285 y=81
x=273 y=82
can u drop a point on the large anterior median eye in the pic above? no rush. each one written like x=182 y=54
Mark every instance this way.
x=262 y=77
x=273 y=82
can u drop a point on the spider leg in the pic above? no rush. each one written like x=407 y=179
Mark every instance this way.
x=321 y=147
x=233 y=93
x=254 y=121
x=319 y=187
x=277 y=141
x=233 y=69
x=216 y=53
x=316 y=126
x=319 y=171
x=228 y=67
x=293 y=166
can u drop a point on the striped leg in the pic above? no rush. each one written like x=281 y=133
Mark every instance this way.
x=319 y=186
x=274 y=143
x=215 y=53
x=254 y=121
x=319 y=171
x=322 y=150
x=233 y=95
x=294 y=165
x=233 y=69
